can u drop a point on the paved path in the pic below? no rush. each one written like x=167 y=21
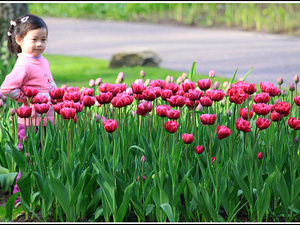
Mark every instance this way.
x=270 y=56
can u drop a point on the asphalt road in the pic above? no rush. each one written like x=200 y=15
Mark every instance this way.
x=271 y=56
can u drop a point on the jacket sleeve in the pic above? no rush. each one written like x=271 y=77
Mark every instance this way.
x=11 y=86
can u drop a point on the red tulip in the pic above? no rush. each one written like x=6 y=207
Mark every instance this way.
x=250 y=88
x=41 y=108
x=57 y=107
x=88 y=101
x=199 y=149
x=180 y=92
x=204 y=84
x=262 y=123
x=157 y=91
x=275 y=116
x=237 y=95
x=282 y=108
x=88 y=92
x=259 y=155
x=161 y=110
x=187 y=86
x=149 y=94
x=194 y=94
x=138 y=88
x=110 y=125
x=29 y=91
x=143 y=108
x=72 y=96
x=208 y=119
x=171 y=126
x=171 y=86
x=57 y=93
x=118 y=88
x=78 y=107
x=176 y=100
x=215 y=95
x=206 y=101
x=67 y=113
x=213 y=159
x=191 y=104
x=157 y=83
x=173 y=114
x=106 y=87
x=297 y=100
x=166 y=93
x=262 y=97
x=72 y=89
x=223 y=132
x=187 y=138
x=244 y=113
x=242 y=125
x=104 y=98
x=294 y=123
x=269 y=88
x=24 y=111
x=38 y=99
x=261 y=108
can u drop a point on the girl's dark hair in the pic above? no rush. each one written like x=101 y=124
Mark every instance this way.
x=20 y=28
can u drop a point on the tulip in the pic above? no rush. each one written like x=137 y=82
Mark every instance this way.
x=67 y=113
x=142 y=73
x=38 y=99
x=87 y=92
x=173 y=114
x=57 y=107
x=149 y=94
x=237 y=95
x=223 y=132
x=192 y=104
x=106 y=87
x=204 y=84
x=179 y=80
x=296 y=79
x=171 y=126
x=199 y=149
x=110 y=125
x=213 y=159
x=92 y=83
x=29 y=91
x=157 y=83
x=176 y=101
x=194 y=94
x=24 y=112
x=187 y=86
x=208 y=119
x=297 y=100
x=143 y=158
x=206 y=101
x=171 y=86
x=262 y=123
x=211 y=74
x=41 y=108
x=294 y=123
x=161 y=110
x=138 y=88
x=56 y=93
x=98 y=81
x=242 y=125
x=215 y=95
x=104 y=98
x=187 y=138
x=165 y=94
x=143 y=108
x=72 y=96
x=275 y=116
x=261 y=108
x=259 y=155
x=279 y=81
x=261 y=98
x=282 y=108
x=244 y=113
x=144 y=178
x=12 y=111
x=88 y=101
x=250 y=88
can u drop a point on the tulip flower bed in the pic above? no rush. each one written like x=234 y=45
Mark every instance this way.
x=158 y=151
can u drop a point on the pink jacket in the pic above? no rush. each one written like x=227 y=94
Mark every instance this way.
x=34 y=72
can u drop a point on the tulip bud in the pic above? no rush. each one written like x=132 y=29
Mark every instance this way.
x=4 y=98
x=296 y=79
x=184 y=76
x=168 y=79
x=179 y=80
x=92 y=83
x=216 y=86
x=283 y=93
x=64 y=86
x=223 y=102
x=143 y=159
x=291 y=87
x=1 y=103
x=138 y=81
x=228 y=112
x=27 y=155
x=133 y=113
x=142 y=73
x=12 y=111
x=280 y=81
x=98 y=118
x=296 y=140
x=259 y=155
x=98 y=81
x=147 y=82
x=25 y=139
x=211 y=74
x=199 y=107
x=97 y=104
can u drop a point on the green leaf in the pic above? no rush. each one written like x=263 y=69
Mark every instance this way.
x=125 y=203
x=168 y=210
x=209 y=204
x=7 y=179
x=79 y=187
x=62 y=194
x=10 y=205
x=24 y=185
x=191 y=75
x=40 y=184
x=262 y=203
x=247 y=74
x=283 y=192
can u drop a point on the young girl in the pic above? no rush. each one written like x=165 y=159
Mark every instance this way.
x=27 y=39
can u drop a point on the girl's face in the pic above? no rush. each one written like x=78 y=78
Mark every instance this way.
x=34 y=43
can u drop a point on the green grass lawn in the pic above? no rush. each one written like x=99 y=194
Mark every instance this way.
x=77 y=71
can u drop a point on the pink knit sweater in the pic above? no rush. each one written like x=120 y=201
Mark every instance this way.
x=33 y=72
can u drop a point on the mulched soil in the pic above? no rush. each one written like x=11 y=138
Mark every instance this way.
x=242 y=215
